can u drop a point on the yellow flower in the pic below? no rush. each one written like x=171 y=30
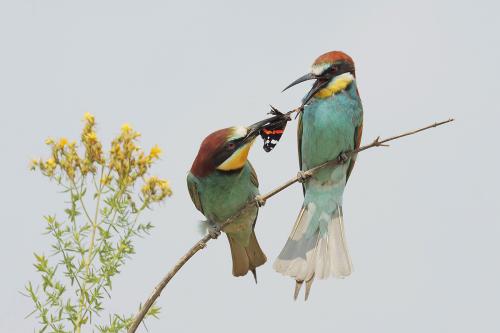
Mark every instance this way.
x=91 y=137
x=33 y=164
x=126 y=127
x=88 y=117
x=51 y=163
x=156 y=189
x=105 y=180
x=48 y=167
x=62 y=142
x=155 y=152
x=49 y=141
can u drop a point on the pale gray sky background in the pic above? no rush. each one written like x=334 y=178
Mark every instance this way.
x=421 y=217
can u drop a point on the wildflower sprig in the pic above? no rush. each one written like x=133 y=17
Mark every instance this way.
x=107 y=193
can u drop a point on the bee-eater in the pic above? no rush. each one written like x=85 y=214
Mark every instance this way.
x=221 y=182
x=329 y=125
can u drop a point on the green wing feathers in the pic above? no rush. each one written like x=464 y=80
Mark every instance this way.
x=193 y=192
x=299 y=140
x=358 y=132
x=299 y=147
x=253 y=175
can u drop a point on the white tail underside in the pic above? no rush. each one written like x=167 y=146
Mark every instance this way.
x=317 y=255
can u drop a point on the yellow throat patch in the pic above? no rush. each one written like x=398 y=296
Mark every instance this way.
x=340 y=83
x=237 y=160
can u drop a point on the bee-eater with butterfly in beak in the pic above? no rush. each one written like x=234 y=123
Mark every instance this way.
x=330 y=124
x=221 y=182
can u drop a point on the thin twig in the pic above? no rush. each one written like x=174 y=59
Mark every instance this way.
x=260 y=200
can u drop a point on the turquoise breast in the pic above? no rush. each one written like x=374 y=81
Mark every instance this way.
x=328 y=126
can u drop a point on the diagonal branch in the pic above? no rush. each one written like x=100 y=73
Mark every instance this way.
x=261 y=200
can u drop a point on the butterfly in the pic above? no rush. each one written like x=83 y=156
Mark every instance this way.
x=271 y=133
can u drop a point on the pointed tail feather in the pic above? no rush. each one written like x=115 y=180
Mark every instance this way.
x=310 y=253
x=246 y=258
x=256 y=256
x=239 y=256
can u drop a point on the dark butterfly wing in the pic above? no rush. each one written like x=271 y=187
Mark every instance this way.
x=272 y=132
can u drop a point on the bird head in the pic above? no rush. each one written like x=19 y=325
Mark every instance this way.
x=333 y=72
x=226 y=149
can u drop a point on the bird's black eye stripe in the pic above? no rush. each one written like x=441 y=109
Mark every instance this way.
x=231 y=145
x=334 y=68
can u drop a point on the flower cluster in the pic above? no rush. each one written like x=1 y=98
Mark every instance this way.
x=128 y=159
x=156 y=189
x=63 y=155
x=126 y=164
x=93 y=147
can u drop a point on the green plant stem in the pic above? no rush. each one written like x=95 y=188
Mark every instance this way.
x=101 y=282
x=79 y=191
x=115 y=213
x=65 y=257
x=94 y=224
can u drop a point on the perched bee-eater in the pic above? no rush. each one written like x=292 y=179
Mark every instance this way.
x=330 y=124
x=221 y=182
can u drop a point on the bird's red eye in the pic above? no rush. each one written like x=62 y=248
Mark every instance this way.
x=231 y=146
x=334 y=68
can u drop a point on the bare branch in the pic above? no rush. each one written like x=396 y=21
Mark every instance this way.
x=261 y=200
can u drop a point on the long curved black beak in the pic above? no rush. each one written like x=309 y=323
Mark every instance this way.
x=321 y=82
x=254 y=129
x=309 y=76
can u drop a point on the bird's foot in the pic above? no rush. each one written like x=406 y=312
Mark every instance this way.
x=299 y=110
x=260 y=201
x=214 y=231
x=302 y=176
x=342 y=158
